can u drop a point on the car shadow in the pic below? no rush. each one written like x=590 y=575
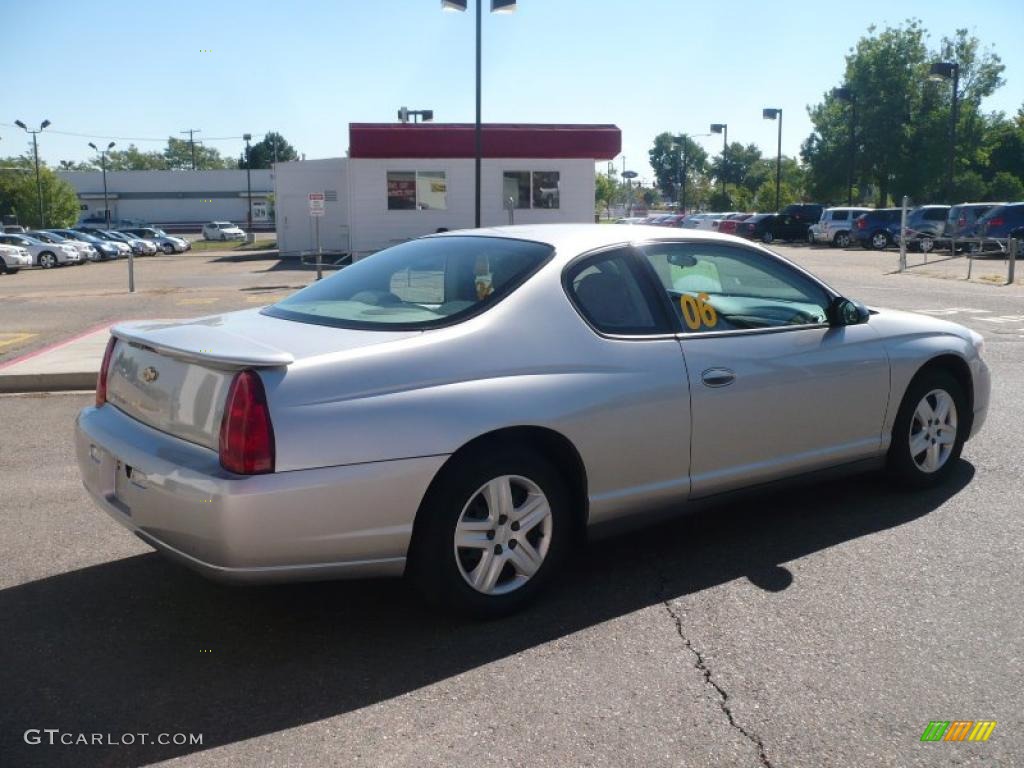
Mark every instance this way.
x=142 y=646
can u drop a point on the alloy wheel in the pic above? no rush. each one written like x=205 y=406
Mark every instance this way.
x=842 y=239
x=933 y=431
x=879 y=240
x=47 y=260
x=503 y=535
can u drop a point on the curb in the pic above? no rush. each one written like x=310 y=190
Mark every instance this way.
x=16 y=383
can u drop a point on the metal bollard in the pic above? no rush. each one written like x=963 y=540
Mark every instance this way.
x=1012 y=245
x=903 y=235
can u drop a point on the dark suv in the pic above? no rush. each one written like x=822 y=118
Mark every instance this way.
x=877 y=229
x=807 y=213
x=1003 y=221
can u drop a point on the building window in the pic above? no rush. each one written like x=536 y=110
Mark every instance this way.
x=417 y=190
x=531 y=189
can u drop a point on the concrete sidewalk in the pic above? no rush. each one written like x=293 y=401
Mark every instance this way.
x=67 y=365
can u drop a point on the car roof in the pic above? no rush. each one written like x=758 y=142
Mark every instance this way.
x=569 y=240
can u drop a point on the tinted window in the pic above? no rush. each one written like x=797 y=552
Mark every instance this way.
x=420 y=284
x=717 y=287
x=607 y=291
x=934 y=214
x=840 y=215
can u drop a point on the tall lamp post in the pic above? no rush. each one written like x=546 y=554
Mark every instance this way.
x=845 y=94
x=248 y=178
x=681 y=143
x=776 y=114
x=949 y=70
x=35 y=151
x=103 y=165
x=723 y=129
x=497 y=6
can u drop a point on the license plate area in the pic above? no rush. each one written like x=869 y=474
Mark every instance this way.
x=121 y=496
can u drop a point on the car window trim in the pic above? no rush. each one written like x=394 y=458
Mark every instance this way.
x=683 y=333
x=655 y=306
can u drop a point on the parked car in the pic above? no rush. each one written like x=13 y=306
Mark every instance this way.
x=775 y=226
x=45 y=255
x=164 y=242
x=86 y=251
x=835 y=225
x=878 y=228
x=124 y=248
x=139 y=246
x=693 y=220
x=630 y=220
x=13 y=258
x=727 y=226
x=672 y=220
x=1003 y=221
x=13 y=229
x=98 y=222
x=753 y=227
x=925 y=225
x=806 y=213
x=226 y=443
x=107 y=249
x=222 y=230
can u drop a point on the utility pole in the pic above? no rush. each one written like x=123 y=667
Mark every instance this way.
x=192 y=143
x=35 y=151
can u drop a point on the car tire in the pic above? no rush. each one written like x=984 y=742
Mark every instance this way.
x=767 y=238
x=167 y=248
x=502 y=567
x=47 y=260
x=930 y=429
x=841 y=240
x=879 y=241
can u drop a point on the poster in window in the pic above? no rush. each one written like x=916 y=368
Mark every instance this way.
x=401 y=191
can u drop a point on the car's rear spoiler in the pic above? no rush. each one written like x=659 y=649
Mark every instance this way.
x=202 y=342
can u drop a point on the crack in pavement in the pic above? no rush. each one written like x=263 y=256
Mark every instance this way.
x=701 y=666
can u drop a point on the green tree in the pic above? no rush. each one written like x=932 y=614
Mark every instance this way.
x=19 y=195
x=605 y=192
x=902 y=117
x=262 y=153
x=134 y=159
x=666 y=158
x=71 y=165
x=178 y=156
x=735 y=165
x=1005 y=186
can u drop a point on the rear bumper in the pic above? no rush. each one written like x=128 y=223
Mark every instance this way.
x=333 y=522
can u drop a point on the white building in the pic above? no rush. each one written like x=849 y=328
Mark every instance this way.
x=402 y=181
x=174 y=198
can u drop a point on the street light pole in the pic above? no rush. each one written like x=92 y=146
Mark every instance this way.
x=774 y=113
x=949 y=70
x=103 y=165
x=248 y=177
x=497 y=6
x=681 y=143
x=722 y=128
x=35 y=152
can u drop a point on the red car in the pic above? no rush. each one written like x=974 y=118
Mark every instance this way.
x=728 y=226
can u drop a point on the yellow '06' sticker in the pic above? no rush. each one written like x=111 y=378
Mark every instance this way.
x=697 y=311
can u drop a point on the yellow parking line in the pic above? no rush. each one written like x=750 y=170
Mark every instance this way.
x=15 y=338
x=197 y=301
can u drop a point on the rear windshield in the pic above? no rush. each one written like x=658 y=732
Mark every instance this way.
x=424 y=283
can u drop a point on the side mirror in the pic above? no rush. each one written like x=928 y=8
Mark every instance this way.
x=845 y=311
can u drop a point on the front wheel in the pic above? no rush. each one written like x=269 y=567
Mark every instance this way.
x=491 y=534
x=167 y=248
x=930 y=430
x=841 y=240
x=47 y=260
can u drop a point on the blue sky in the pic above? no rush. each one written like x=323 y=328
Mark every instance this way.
x=304 y=68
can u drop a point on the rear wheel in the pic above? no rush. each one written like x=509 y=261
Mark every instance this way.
x=841 y=240
x=492 y=533
x=879 y=241
x=47 y=260
x=929 y=431
x=767 y=237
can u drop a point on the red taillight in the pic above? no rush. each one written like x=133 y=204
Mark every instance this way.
x=861 y=224
x=246 y=434
x=996 y=222
x=101 y=378
x=961 y=222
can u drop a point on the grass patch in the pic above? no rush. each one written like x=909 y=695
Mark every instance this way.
x=261 y=244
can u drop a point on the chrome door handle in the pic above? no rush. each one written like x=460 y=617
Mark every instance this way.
x=718 y=377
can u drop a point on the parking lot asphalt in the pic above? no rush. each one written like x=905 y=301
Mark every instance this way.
x=821 y=626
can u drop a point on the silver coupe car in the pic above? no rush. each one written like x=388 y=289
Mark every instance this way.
x=459 y=408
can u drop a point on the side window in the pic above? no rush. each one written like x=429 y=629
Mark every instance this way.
x=715 y=287
x=607 y=292
x=840 y=215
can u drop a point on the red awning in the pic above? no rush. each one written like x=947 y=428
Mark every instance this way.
x=500 y=140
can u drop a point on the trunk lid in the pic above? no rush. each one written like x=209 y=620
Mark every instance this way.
x=174 y=376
